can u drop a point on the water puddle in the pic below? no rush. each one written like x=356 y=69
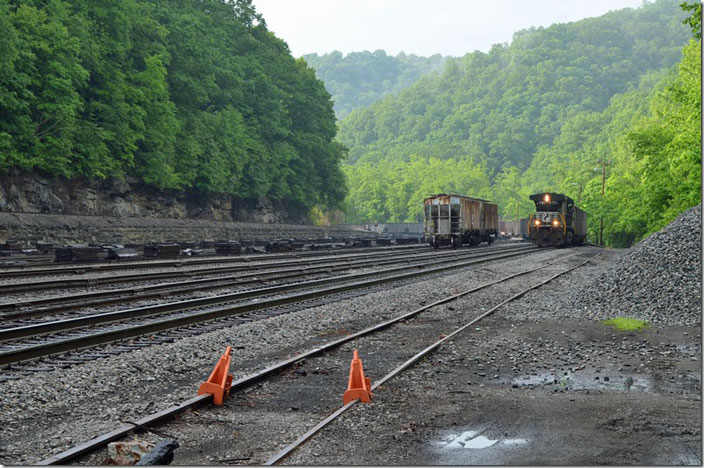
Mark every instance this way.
x=584 y=380
x=514 y=441
x=470 y=440
x=479 y=443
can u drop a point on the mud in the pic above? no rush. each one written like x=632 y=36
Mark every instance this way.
x=510 y=394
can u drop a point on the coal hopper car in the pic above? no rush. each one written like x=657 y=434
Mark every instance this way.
x=455 y=220
x=556 y=221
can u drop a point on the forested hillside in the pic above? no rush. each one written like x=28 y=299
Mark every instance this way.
x=181 y=95
x=555 y=110
x=360 y=78
x=503 y=105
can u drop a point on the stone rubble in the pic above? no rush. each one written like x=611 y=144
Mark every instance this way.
x=657 y=280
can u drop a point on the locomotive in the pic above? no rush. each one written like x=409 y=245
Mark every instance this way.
x=454 y=220
x=556 y=221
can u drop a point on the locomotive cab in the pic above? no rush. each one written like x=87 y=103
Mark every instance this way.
x=556 y=221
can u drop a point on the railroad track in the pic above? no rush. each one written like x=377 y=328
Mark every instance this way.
x=249 y=381
x=45 y=339
x=289 y=270
x=185 y=272
x=82 y=268
x=181 y=272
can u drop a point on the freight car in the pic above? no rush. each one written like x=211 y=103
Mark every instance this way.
x=517 y=228
x=556 y=221
x=455 y=220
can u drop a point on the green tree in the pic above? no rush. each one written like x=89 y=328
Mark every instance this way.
x=669 y=144
x=41 y=82
x=504 y=106
x=694 y=21
x=199 y=96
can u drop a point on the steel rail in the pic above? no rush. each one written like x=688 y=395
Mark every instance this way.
x=258 y=271
x=82 y=268
x=106 y=317
x=23 y=287
x=59 y=346
x=121 y=296
x=184 y=273
x=252 y=379
x=418 y=356
x=10 y=288
x=104 y=439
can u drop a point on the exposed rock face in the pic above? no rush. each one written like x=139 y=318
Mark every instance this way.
x=123 y=198
x=74 y=229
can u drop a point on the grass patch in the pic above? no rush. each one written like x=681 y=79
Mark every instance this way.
x=626 y=324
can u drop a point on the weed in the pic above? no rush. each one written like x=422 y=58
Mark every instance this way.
x=626 y=324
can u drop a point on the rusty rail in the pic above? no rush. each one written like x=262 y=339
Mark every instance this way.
x=247 y=381
x=45 y=349
x=305 y=437
x=68 y=302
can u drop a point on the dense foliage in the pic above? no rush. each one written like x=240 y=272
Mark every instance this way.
x=193 y=95
x=561 y=109
x=504 y=105
x=360 y=78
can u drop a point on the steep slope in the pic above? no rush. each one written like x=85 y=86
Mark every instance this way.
x=360 y=78
x=502 y=106
x=197 y=96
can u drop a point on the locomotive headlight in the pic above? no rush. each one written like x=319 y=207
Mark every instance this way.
x=547 y=198
x=537 y=222
x=556 y=223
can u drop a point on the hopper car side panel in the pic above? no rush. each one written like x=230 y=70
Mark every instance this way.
x=456 y=219
x=580 y=225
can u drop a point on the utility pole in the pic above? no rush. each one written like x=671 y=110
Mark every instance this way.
x=603 y=183
x=601 y=223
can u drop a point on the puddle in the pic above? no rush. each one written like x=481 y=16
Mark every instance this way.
x=479 y=443
x=584 y=380
x=470 y=440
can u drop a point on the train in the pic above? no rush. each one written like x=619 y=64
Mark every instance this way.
x=454 y=220
x=516 y=228
x=557 y=221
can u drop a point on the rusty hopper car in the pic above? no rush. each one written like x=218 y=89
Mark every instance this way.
x=556 y=221
x=455 y=220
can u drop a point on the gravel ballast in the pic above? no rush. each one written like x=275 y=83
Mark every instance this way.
x=549 y=332
x=657 y=280
x=129 y=386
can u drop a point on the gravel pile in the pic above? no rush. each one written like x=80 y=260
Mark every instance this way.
x=658 y=279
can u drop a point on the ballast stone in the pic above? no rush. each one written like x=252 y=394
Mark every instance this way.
x=658 y=280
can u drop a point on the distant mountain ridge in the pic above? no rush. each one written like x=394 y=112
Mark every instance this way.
x=358 y=79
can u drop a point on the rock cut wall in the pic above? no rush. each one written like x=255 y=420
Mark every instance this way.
x=72 y=229
x=126 y=198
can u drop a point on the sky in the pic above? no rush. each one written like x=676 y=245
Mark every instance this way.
x=421 y=27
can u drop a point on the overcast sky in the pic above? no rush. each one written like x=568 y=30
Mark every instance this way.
x=421 y=27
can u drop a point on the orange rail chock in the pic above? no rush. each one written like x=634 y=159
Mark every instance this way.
x=220 y=380
x=359 y=387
